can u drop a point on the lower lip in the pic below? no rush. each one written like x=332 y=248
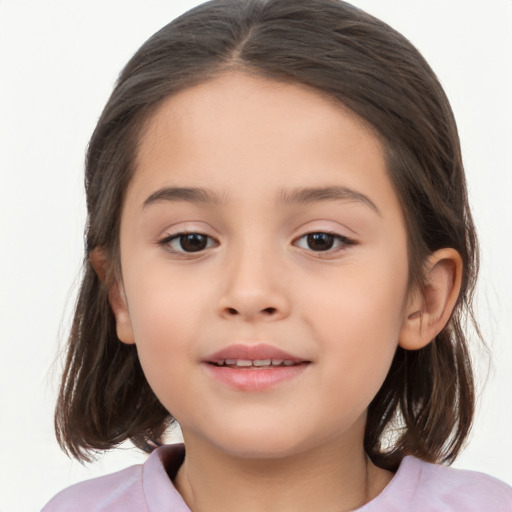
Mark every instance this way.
x=254 y=379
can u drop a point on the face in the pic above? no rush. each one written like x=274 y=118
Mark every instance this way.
x=264 y=266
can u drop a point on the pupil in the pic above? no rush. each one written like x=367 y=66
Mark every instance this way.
x=320 y=241
x=193 y=242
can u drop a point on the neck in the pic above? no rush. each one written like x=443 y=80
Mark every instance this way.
x=326 y=478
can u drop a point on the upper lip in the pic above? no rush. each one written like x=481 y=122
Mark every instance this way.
x=252 y=352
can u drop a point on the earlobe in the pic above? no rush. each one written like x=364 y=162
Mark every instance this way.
x=116 y=297
x=429 y=310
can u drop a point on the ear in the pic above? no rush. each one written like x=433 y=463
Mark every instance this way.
x=428 y=312
x=116 y=297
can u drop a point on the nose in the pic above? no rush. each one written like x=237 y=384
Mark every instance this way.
x=254 y=288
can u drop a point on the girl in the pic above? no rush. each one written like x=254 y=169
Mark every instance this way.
x=280 y=256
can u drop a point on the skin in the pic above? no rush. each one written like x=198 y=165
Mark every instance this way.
x=297 y=445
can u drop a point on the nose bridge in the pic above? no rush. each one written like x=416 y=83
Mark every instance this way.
x=254 y=284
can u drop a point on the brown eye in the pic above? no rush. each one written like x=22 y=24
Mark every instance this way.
x=320 y=241
x=193 y=242
x=188 y=242
x=323 y=242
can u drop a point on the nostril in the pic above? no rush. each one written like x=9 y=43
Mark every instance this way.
x=270 y=311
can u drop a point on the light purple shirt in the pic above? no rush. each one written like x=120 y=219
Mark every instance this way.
x=416 y=487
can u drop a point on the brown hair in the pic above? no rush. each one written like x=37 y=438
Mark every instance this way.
x=427 y=398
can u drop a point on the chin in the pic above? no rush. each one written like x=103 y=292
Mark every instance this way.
x=256 y=444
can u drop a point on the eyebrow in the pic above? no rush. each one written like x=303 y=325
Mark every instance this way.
x=189 y=194
x=300 y=196
x=335 y=193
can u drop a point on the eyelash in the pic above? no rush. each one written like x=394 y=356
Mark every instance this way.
x=341 y=242
x=179 y=237
x=338 y=241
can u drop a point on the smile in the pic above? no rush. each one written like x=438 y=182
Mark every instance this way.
x=251 y=368
x=255 y=363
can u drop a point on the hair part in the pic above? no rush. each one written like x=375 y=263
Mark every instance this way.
x=427 y=398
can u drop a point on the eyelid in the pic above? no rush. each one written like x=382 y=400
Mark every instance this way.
x=169 y=237
x=344 y=242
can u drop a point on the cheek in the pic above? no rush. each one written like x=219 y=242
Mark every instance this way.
x=358 y=323
x=364 y=296
x=165 y=323
x=164 y=303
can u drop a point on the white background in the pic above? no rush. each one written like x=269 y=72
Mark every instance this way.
x=58 y=63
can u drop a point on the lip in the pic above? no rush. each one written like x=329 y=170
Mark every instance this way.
x=260 y=351
x=251 y=378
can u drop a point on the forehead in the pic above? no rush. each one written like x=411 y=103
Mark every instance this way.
x=240 y=132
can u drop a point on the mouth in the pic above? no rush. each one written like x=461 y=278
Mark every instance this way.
x=255 y=364
x=253 y=367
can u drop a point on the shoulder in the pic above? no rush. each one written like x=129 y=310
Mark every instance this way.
x=140 y=488
x=465 y=490
x=110 y=492
x=421 y=486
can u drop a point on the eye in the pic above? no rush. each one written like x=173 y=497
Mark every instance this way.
x=322 y=242
x=188 y=242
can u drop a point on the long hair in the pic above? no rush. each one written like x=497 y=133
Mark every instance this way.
x=425 y=406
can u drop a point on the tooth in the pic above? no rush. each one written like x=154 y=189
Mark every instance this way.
x=287 y=362
x=262 y=362
x=244 y=362
x=230 y=361
x=220 y=362
x=277 y=361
